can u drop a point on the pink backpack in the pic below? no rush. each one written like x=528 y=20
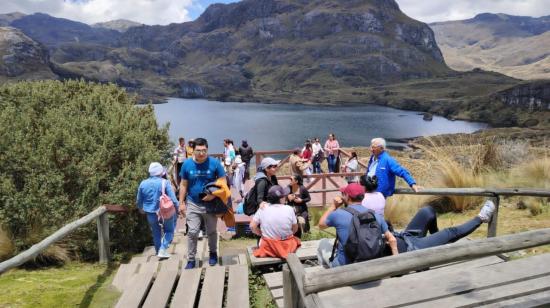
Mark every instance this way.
x=166 y=207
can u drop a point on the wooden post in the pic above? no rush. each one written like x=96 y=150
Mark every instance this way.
x=324 y=186
x=492 y=228
x=103 y=238
x=291 y=296
x=258 y=160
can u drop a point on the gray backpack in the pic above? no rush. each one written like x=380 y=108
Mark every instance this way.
x=365 y=240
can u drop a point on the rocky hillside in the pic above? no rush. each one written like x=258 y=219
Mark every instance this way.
x=120 y=25
x=21 y=57
x=513 y=45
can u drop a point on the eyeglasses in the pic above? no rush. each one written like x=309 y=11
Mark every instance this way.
x=272 y=166
x=202 y=151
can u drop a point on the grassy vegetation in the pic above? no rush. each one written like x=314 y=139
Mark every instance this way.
x=75 y=284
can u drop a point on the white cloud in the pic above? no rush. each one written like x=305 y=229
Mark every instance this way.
x=91 y=11
x=441 y=10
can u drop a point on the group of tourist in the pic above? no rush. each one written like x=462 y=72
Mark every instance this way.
x=280 y=213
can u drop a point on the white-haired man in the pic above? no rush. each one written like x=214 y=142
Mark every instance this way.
x=386 y=168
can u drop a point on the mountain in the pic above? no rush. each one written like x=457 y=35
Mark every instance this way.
x=120 y=25
x=7 y=19
x=53 y=32
x=517 y=46
x=21 y=57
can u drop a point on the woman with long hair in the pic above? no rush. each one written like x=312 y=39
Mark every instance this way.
x=298 y=199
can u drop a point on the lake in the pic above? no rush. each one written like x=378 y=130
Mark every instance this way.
x=285 y=126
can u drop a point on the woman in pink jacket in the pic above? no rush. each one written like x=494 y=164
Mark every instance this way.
x=331 y=148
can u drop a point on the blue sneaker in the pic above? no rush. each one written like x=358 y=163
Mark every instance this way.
x=213 y=259
x=190 y=264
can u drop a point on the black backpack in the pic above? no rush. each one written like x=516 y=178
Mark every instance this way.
x=250 y=205
x=365 y=240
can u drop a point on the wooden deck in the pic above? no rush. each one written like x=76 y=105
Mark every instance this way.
x=519 y=283
x=147 y=281
x=274 y=280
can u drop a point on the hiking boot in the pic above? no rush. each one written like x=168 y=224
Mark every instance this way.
x=190 y=264
x=163 y=254
x=213 y=259
x=487 y=211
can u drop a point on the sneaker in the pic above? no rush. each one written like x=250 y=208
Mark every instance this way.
x=190 y=264
x=201 y=235
x=487 y=211
x=213 y=259
x=163 y=254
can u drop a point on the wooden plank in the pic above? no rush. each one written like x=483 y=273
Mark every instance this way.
x=148 y=251
x=541 y=299
x=162 y=288
x=212 y=287
x=308 y=251
x=181 y=247
x=414 y=260
x=135 y=293
x=172 y=264
x=151 y=266
x=139 y=259
x=280 y=302
x=421 y=287
x=493 y=295
x=237 y=287
x=230 y=260
x=243 y=259
x=186 y=291
x=122 y=276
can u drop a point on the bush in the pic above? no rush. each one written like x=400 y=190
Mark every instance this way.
x=66 y=148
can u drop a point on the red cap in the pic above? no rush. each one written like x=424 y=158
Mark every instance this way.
x=353 y=190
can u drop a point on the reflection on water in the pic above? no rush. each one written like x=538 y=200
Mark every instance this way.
x=282 y=126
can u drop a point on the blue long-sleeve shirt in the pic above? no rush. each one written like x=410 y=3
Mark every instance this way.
x=386 y=170
x=149 y=193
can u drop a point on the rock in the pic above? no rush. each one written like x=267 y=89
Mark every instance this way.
x=427 y=117
x=22 y=58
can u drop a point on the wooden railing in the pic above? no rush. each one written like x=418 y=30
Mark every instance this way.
x=302 y=287
x=102 y=220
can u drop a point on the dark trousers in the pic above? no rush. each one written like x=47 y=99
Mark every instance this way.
x=178 y=168
x=246 y=171
x=426 y=220
x=317 y=167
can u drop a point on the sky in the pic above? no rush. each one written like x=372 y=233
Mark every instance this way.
x=176 y=11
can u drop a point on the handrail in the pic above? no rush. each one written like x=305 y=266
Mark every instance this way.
x=362 y=272
x=32 y=252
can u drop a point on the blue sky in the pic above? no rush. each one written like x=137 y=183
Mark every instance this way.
x=176 y=11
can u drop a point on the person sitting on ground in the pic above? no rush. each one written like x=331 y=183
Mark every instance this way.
x=341 y=218
x=373 y=199
x=386 y=168
x=298 y=199
x=415 y=235
x=276 y=224
x=352 y=165
x=148 y=203
x=298 y=165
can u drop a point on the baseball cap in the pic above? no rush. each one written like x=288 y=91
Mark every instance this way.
x=268 y=161
x=278 y=191
x=353 y=190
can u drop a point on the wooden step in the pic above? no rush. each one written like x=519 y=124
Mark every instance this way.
x=186 y=291
x=212 y=288
x=237 y=287
x=161 y=290
x=136 y=291
x=122 y=276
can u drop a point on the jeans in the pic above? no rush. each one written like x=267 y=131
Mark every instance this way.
x=425 y=220
x=331 y=160
x=324 y=251
x=168 y=227
x=194 y=215
x=317 y=167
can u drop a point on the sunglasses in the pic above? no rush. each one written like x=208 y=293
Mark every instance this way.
x=272 y=166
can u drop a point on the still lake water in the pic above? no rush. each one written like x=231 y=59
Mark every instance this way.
x=282 y=126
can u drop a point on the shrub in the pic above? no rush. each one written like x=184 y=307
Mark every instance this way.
x=66 y=148
x=535 y=208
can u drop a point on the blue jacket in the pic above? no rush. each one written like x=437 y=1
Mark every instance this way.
x=149 y=192
x=386 y=171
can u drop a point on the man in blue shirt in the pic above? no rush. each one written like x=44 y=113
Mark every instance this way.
x=386 y=168
x=195 y=174
x=334 y=216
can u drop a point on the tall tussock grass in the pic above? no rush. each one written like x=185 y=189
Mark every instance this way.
x=6 y=245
